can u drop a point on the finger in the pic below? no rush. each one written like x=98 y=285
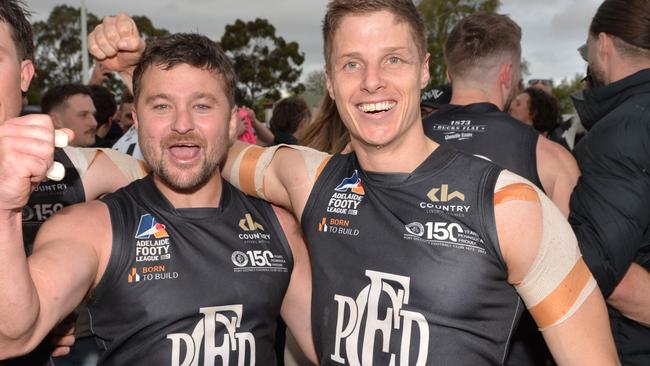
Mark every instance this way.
x=56 y=172
x=107 y=47
x=69 y=136
x=63 y=341
x=126 y=26
x=14 y=147
x=93 y=47
x=61 y=138
x=110 y=29
x=42 y=120
x=60 y=351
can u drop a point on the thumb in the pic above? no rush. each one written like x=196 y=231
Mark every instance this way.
x=131 y=44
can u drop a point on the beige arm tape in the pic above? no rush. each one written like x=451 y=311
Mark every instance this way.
x=250 y=165
x=131 y=167
x=82 y=158
x=558 y=282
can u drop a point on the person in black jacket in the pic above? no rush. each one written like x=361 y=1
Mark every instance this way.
x=610 y=205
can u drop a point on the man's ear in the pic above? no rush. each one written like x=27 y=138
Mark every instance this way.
x=505 y=74
x=232 y=125
x=57 y=121
x=135 y=118
x=26 y=74
x=328 y=83
x=425 y=76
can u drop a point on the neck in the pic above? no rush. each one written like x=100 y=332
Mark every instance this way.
x=402 y=156
x=464 y=94
x=206 y=195
x=624 y=68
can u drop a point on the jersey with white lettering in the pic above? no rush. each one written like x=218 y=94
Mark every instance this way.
x=483 y=130
x=51 y=196
x=194 y=286
x=406 y=267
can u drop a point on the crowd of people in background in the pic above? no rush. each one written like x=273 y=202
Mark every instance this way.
x=559 y=204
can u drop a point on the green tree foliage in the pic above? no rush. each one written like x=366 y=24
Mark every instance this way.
x=58 y=48
x=440 y=16
x=315 y=88
x=265 y=63
x=565 y=89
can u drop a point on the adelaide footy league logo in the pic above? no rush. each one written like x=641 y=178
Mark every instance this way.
x=351 y=184
x=148 y=226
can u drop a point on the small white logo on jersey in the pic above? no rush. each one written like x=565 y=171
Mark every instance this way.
x=222 y=319
x=239 y=259
x=384 y=287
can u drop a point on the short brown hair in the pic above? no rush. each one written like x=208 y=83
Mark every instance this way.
x=479 y=37
x=186 y=48
x=403 y=10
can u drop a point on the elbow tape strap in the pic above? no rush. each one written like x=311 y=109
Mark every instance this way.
x=558 y=282
x=131 y=167
x=250 y=165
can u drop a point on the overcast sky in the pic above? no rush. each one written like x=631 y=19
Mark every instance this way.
x=552 y=29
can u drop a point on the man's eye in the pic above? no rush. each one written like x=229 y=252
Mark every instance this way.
x=394 y=60
x=351 y=66
x=202 y=106
x=161 y=106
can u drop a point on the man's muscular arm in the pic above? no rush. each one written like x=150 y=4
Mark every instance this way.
x=33 y=297
x=283 y=175
x=545 y=267
x=296 y=306
x=558 y=172
x=632 y=295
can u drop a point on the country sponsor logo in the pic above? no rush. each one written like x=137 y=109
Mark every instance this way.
x=148 y=227
x=258 y=261
x=337 y=226
x=444 y=199
x=442 y=194
x=362 y=326
x=253 y=231
x=248 y=224
x=153 y=242
x=347 y=196
x=445 y=234
x=151 y=273
x=217 y=338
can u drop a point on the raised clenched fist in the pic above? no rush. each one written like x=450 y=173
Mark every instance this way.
x=26 y=157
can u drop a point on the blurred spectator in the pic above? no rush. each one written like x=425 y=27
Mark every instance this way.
x=71 y=106
x=326 y=132
x=610 y=205
x=536 y=108
x=290 y=116
x=124 y=117
x=542 y=84
x=431 y=100
x=106 y=107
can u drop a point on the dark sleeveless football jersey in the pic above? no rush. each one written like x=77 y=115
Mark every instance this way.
x=406 y=267
x=51 y=196
x=199 y=286
x=484 y=130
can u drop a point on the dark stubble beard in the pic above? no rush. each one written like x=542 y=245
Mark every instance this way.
x=181 y=181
